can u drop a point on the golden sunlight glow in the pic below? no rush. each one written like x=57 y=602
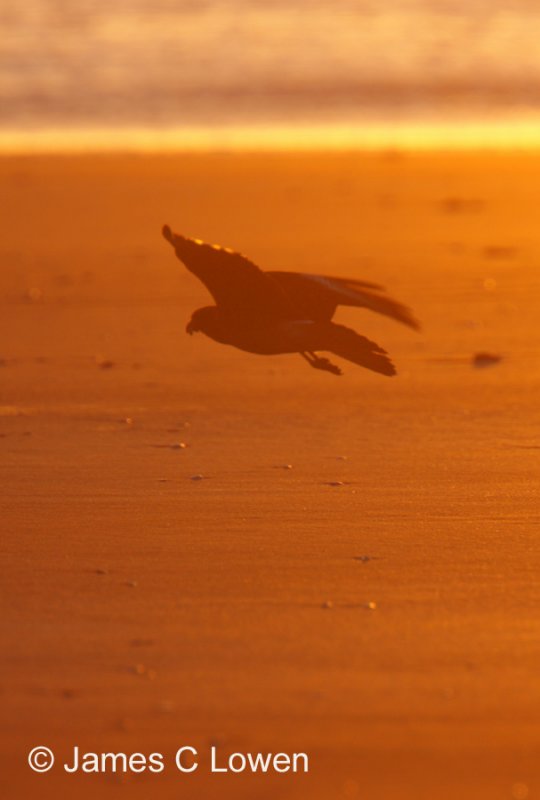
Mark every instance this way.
x=408 y=136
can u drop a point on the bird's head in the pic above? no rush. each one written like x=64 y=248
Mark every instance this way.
x=204 y=320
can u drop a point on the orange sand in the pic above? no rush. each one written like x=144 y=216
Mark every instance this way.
x=143 y=610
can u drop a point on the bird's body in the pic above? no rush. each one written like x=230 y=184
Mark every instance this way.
x=249 y=335
x=270 y=313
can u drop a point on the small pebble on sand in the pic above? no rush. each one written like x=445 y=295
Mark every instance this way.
x=497 y=251
x=104 y=363
x=328 y=604
x=371 y=606
x=335 y=483
x=481 y=360
x=197 y=477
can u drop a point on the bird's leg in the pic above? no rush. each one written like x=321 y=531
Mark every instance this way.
x=317 y=362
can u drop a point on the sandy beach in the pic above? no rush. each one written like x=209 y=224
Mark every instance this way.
x=355 y=576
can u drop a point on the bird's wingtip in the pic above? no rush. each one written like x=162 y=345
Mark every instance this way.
x=167 y=233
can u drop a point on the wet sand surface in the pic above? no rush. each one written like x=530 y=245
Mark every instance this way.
x=355 y=574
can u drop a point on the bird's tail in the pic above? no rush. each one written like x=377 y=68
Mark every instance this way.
x=348 y=344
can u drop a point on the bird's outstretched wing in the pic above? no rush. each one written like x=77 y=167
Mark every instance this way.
x=319 y=295
x=235 y=283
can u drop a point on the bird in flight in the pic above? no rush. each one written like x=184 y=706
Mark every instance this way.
x=270 y=313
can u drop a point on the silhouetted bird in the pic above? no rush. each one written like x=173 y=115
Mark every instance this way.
x=283 y=312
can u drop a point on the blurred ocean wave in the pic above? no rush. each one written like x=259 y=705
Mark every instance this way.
x=175 y=63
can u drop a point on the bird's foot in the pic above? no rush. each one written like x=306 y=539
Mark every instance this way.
x=317 y=362
x=325 y=364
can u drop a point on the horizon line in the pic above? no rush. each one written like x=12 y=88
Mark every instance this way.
x=523 y=135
